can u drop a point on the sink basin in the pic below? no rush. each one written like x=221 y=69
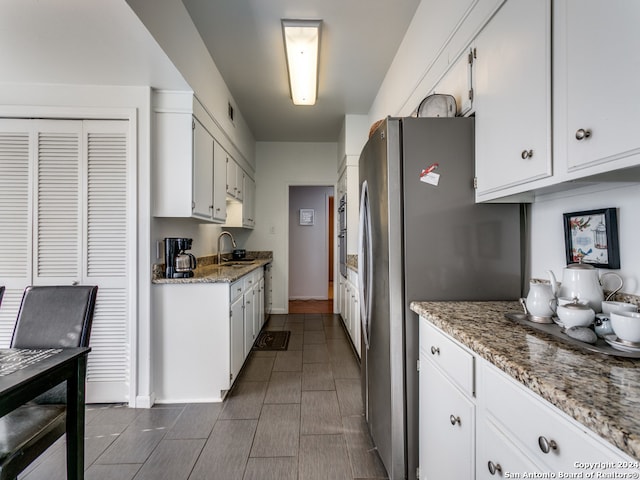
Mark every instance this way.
x=238 y=263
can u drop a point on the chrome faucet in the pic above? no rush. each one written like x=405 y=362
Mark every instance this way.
x=222 y=234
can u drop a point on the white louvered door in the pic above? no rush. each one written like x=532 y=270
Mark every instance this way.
x=57 y=231
x=105 y=258
x=64 y=203
x=15 y=219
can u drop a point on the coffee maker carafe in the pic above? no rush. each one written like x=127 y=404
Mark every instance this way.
x=178 y=264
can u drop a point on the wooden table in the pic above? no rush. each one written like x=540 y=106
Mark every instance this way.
x=26 y=373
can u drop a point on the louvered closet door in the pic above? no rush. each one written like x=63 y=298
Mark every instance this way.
x=15 y=220
x=57 y=231
x=106 y=258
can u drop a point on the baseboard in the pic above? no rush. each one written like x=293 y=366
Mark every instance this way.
x=144 y=401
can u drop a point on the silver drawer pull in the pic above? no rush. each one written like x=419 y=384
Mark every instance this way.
x=581 y=134
x=454 y=420
x=494 y=467
x=435 y=351
x=546 y=445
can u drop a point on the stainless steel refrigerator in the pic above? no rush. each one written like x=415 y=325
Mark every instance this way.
x=421 y=237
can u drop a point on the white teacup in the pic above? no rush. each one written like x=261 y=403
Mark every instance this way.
x=610 y=306
x=626 y=325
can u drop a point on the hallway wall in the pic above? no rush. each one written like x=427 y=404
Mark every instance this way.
x=308 y=244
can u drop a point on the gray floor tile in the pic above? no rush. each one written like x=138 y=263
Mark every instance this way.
x=112 y=415
x=133 y=446
x=313 y=323
x=315 y=354
x=295 y=342
x=295 y=317
x=296 y=328
x=264 y=353
x=333 y=331
x=52 y=467
x=225 y=454
x=349 y=393
x=97 y=439
x=323 y=457
x=365 y=461
x=317 y=376
x=276 y=321
x=195 y=421
x=345 y=367
x=314 y=337
x=278 y=432
x=320 y=413
x=284 y=387
x=245 y=401
x=159 y=417
x=172 y=460
x=112 y=472
x=288 y=361
x=257 y=369
x=282 y=468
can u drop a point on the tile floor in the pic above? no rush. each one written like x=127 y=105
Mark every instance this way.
x=295 y=414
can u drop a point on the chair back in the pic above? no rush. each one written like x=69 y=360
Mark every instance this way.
x=1 y=293
x=55 y=317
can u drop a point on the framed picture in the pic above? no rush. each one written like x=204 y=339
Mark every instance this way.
x=592 y=237
x=306 y=216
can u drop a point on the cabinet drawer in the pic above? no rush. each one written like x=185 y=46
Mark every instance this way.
x=236 y=289
x=497 y=454
x=250 y=280
x=532 y=421
x=456 y=362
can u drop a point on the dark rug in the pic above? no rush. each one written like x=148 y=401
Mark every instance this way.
x=268 y=340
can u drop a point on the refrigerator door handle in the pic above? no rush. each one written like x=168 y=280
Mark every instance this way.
x=365 y=263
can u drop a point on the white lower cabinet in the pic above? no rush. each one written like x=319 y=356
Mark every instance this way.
x=447 y=411
x=203 y=333
x=350 y=307
x=477 y=422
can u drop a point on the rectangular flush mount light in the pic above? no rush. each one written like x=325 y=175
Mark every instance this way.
x=302 y=46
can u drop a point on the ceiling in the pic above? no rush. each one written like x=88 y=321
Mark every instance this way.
x=358 y=43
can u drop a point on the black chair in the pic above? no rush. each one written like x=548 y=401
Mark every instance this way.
x=49 y=317
x=1 y=294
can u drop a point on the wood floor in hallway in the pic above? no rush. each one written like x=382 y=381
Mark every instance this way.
x=292 y=415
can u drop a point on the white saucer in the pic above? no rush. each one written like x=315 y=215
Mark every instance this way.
x=621 y=345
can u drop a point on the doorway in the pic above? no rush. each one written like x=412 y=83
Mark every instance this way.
x=311 y=249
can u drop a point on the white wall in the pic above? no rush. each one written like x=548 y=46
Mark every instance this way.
x=547 y=239
x=309 y=244
x=279 y=165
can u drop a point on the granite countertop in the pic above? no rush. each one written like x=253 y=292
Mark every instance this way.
x=600 y=391
x=208 y=271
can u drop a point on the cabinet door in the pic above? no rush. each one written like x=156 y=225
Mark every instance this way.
x=248 y=202
x=598 y=74
x=513 y=96
x=219 y=182
x=232 y=176
x=240 y=176
x=249 y=316
x=202 y=172
x=237 y=337
x=446 y=422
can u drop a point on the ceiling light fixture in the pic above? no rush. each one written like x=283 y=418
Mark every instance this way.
x=302 y=47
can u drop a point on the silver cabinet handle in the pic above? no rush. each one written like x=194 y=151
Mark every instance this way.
x=75 y=282
x=581 y=134
x=526 y=154
x=435 y=351
x=454 y=420
x=494 y=467
x=546 y=445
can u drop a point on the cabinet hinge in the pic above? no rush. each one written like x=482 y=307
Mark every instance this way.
x=475 y=183
x=418 y=365
x=470 y=57
x=193 y=124
x=230 y=313
x=231 y=376
x=471 y=94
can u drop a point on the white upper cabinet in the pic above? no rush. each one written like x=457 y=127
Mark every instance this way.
x=202 y=171
x=512 y=76
x=219 y=210
x=596 y=71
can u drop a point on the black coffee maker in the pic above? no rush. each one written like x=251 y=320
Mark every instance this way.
x=178 y=264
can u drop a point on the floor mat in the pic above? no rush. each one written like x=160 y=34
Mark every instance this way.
x=268 y=340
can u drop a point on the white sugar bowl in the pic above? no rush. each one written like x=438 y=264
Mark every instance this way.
x=575 y=314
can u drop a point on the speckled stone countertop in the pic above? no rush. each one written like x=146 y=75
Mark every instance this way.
x=600 y=391
x=208 y=271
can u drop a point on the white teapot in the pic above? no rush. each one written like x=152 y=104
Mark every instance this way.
x=581 y=281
